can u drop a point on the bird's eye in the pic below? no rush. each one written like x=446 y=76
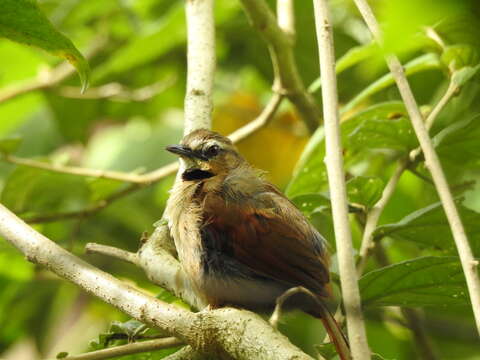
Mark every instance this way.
x=212 y=151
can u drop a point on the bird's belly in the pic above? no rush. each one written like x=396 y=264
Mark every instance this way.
x=241 y=291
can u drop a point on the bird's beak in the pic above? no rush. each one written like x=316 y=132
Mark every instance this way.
x=185 y=152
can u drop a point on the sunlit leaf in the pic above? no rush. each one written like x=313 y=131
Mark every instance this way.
x=426 y=281
x=310 y=203
x=460 y=77
x=326 y=350
x=458 y=56
x=382 y=126
x=364 y=190
x=25 y=190
x=428 y=227
x=459 y=142
x=22 y=21
x=419 y=64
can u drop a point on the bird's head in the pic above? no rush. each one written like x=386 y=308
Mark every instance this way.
x=206 y=154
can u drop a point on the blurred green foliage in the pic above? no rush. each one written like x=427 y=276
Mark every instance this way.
x=141 y=50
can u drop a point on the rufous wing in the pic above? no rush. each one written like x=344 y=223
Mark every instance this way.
x=269 y=235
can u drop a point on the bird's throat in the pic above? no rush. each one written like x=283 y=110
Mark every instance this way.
x=196 y=174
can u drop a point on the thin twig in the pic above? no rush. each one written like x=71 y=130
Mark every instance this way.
x=280 y=44
x=111 y=251
x=336 y=178
x=449 y=93
x=469 y=263
x=423 y=343
x=74 y=170
x=117 y=92
x=50 y=78
x=374 y=215
x=261 y=121
x=128 y=349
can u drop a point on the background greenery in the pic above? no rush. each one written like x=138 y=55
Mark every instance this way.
x=141 y=45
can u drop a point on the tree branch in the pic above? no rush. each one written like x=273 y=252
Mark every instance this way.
x=227 y=333
x=128 y=349
x=469 y=263
x=260 y=121
x=201 y=65
x=280 y=44
x=130 y=257
x=336 y=179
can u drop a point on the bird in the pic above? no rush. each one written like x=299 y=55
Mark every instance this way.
x=240 y=241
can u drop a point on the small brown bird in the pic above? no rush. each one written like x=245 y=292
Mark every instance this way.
x=239 y=239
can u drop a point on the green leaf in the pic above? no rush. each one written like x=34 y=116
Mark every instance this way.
x=311 y=203
x=394 y=133
x=25 y=189
x=364 y=190
x=9 y=145
x=310 y=175
x=460 y=77
x=382 y=126
x=458 y=56
x=458 y=143
x=425 y=281
x=419 y=64
x=429 y=227
x=62 y=355
x=22 y=21
x=326 y=350
x=349 y=59
x=169 y=32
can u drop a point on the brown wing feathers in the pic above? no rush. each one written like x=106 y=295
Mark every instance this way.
x=269 y=242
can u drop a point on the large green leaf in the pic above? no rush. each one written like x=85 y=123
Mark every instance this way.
x=365 y=191
x=426 y=281
x=35 y=190
x=459 y=142
x=311 y=203
x=382 y=126
x=419 y=64
x=428 y=227
x=22 y=21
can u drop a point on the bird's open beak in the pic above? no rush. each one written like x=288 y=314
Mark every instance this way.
x=185 y=152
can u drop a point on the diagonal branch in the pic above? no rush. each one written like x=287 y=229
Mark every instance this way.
x=227 y=333
x=127 y=349
x=469 y=263
x=280 y=44
x=336 y=178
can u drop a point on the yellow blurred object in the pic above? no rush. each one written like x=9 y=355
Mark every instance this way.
x=275 y=148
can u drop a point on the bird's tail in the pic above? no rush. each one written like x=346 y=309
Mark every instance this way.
x=335 y=333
